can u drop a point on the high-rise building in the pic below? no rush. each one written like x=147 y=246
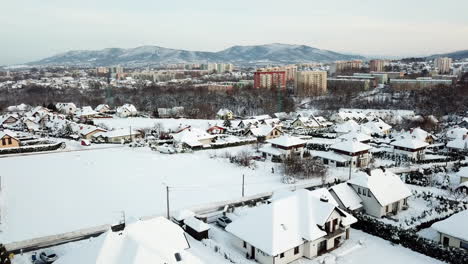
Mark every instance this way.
x=443 y=64
x=270 y=79
x=311 y=83
x=290 y=71
x=341 y=66
x=376 y=65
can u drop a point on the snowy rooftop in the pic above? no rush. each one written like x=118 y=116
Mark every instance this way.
x=385 y=186
x=196 y=224
x=140 y=242
x=347 y=196
x=287 y=141
x=354 y=134
x=454 y=226
x=410 y=142
x=285 y=223
x=351 y=146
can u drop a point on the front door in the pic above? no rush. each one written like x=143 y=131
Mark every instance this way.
x=322 y=247
x=445 y=241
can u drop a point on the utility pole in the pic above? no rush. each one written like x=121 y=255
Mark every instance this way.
x=131 y=138
x=243 y=184
x=167 y=201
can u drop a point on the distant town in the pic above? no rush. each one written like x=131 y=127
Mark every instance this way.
x=344 y=161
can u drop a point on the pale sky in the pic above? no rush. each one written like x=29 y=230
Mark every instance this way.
x=34 y=29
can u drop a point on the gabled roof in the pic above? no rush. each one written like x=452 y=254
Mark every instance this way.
x=458 y=143
x=150 y=241
x=285 y=223
x=410 y=142
x=262 y=130
x=455 y=225
x=7 y=133
x=286 y=141
x=351 y=146
x=386 y=187
x=347 y=196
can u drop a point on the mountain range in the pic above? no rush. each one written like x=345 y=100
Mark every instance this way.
x=457 y=55
x=275 y=53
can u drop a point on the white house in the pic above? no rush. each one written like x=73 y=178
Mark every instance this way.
x=453 y=231
x=410 y=147
x=354 y=151
x=459 y=144
x=126 y=110
x=463 y=174
x=382 y=192
x=264 y=132
x=66 y=108
x=283 y=147
x=193 y=137
x=118 y=136
x=102 y=108
x=306 y=122
x=289 y=228
x=361 y=137
x=378 y=126
x=456 y=132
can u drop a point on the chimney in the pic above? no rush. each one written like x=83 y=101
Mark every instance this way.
x=324 y=199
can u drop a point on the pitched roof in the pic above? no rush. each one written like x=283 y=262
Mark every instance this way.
x=7 y=133
x=410 y=142
x=286 y=141
x=386 y=187
x=285 y=223
x=261 y=130
x=347 y=196
x=354 y=134
x=454 y=226
x=351 y=146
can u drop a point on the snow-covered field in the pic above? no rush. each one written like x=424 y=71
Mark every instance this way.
x=66 y=191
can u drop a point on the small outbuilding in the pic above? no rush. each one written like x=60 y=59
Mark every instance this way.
x=196 y=228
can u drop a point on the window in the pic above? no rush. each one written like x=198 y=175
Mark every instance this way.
x=359 y=190
x=282 y=255
x=3 y=141
x=368 y=193
x=296 y=250
x=464 y=245
x=244 y=245
x=9 y=141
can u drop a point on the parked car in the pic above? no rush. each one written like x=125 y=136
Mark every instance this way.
x=223 y=221
x=48 y=256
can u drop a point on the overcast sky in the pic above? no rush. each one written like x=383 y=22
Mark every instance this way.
x=34 y=29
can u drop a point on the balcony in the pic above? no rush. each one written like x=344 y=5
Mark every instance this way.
x=337 y=232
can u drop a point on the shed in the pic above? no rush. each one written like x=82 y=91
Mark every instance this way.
x=196 y=228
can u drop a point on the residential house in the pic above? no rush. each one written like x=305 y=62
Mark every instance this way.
x=157 y=240
x=118 y=136
x=8 y=139
x=456 y=132
x=86 y=112
x=354 y=151
x=10 y=119
x=214 y=130
x=283 y=147
x=18 y=108
x=102 y=108
x=420 y=134
x=305 y=122
x=225 y=114
x=347 y=127
x=87 y=132
x=378 y=127
x=459 y=144
x=452 y=231
x=126 y=110
x=382 y=192
x=66 y=108
x=264 y=132
x=193 y=138
x=410 y=147
x=290 y=228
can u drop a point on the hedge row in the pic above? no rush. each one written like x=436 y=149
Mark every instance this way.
x=27 y=149
x=409 y=239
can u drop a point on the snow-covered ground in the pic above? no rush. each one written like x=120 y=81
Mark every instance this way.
x=66 y=191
